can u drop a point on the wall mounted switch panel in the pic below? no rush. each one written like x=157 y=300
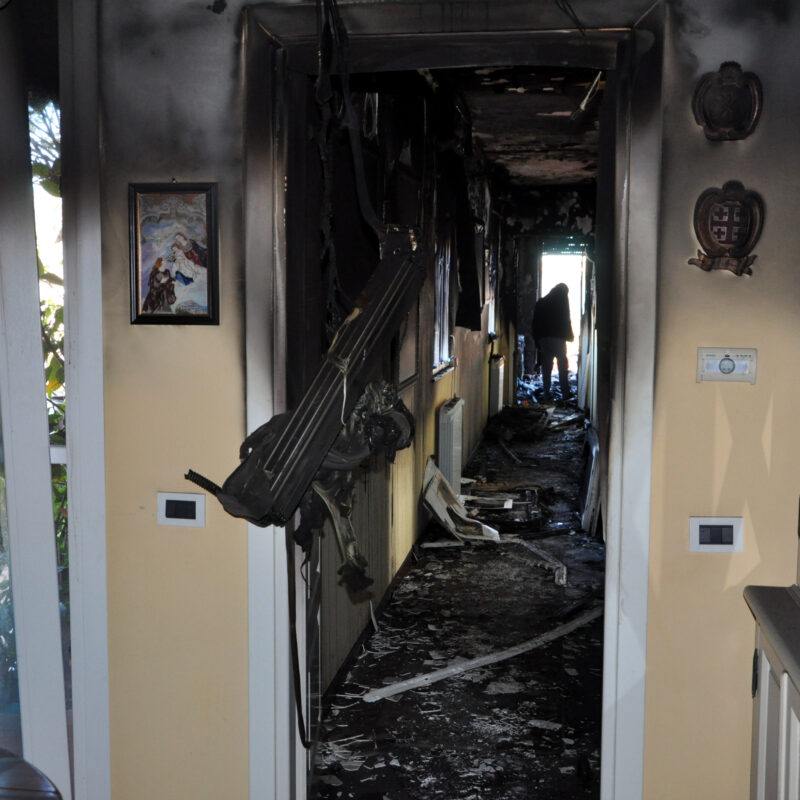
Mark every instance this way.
x=726 y=364
x=715 y=534
x=181 y=508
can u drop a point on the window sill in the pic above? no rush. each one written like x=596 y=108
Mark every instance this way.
x=443 y=369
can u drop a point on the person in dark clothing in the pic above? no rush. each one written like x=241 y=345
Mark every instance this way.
x=552 y=330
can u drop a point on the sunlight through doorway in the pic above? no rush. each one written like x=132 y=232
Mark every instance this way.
x=566 y=268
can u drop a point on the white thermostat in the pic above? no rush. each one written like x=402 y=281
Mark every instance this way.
x=726 y=364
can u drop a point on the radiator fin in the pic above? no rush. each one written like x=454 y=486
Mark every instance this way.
x=497 y=367
x=451 y=423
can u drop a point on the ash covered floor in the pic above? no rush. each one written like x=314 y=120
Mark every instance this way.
x=523 y=727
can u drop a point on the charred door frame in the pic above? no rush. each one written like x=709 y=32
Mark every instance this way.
x=275 y=754
x=279 y=42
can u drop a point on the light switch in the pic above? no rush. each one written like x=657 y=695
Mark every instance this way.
x=715 y=534
x=181 y=508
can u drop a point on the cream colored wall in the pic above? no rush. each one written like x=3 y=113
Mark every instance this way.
x=406 y=474
x=719 y=449
x=471 y=381
x=177 y=596
x=174 y=398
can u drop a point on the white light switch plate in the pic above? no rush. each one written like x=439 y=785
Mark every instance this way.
x=181 y=508
x=694 y=535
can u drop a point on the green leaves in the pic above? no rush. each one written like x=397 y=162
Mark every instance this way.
x=47 y=276
x=44 y=126
x=45 y=141
x=52 y=317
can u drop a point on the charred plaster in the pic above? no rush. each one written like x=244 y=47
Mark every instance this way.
x=170 y=124
x=559 y=211
x=688 y=20
x=744 y=12
x=692 y=24
x=534 y=124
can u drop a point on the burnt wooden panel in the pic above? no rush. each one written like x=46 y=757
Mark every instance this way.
x=342 y=619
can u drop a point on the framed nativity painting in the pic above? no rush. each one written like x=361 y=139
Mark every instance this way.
x=174 y=269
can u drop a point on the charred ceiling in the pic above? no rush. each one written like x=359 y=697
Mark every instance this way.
x=538 y=125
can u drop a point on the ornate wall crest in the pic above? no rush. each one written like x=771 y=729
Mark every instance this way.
x=727 y=103
x=728 y=224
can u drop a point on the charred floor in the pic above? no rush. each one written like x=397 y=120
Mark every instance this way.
x=518 y=724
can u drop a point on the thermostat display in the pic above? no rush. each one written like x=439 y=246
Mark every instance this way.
x=726 y=364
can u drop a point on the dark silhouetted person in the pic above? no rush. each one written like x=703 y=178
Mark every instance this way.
x=552 y=330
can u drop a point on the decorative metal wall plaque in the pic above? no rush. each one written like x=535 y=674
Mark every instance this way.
x=728 y=224
x=727 y=103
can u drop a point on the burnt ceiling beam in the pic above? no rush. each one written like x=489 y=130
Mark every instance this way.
x=396 y=36
x=446 y=16
x=407 y=51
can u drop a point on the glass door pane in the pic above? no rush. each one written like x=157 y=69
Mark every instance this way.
x=44 y=121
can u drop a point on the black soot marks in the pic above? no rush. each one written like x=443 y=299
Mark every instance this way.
x=688 y=20
x=744 y=11
x=218 y=6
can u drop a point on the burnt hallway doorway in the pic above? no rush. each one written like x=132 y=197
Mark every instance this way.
x=631 y=333
x=545 y=573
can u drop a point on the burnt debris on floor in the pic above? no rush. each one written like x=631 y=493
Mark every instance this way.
x=483 y=678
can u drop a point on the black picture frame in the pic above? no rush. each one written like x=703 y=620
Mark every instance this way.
x=173 y=251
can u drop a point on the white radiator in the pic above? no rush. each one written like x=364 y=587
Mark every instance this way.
x=497 y=367
x=451 y=421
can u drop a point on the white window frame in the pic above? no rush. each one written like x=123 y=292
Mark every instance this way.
x=37 y=623
x=78 y=49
